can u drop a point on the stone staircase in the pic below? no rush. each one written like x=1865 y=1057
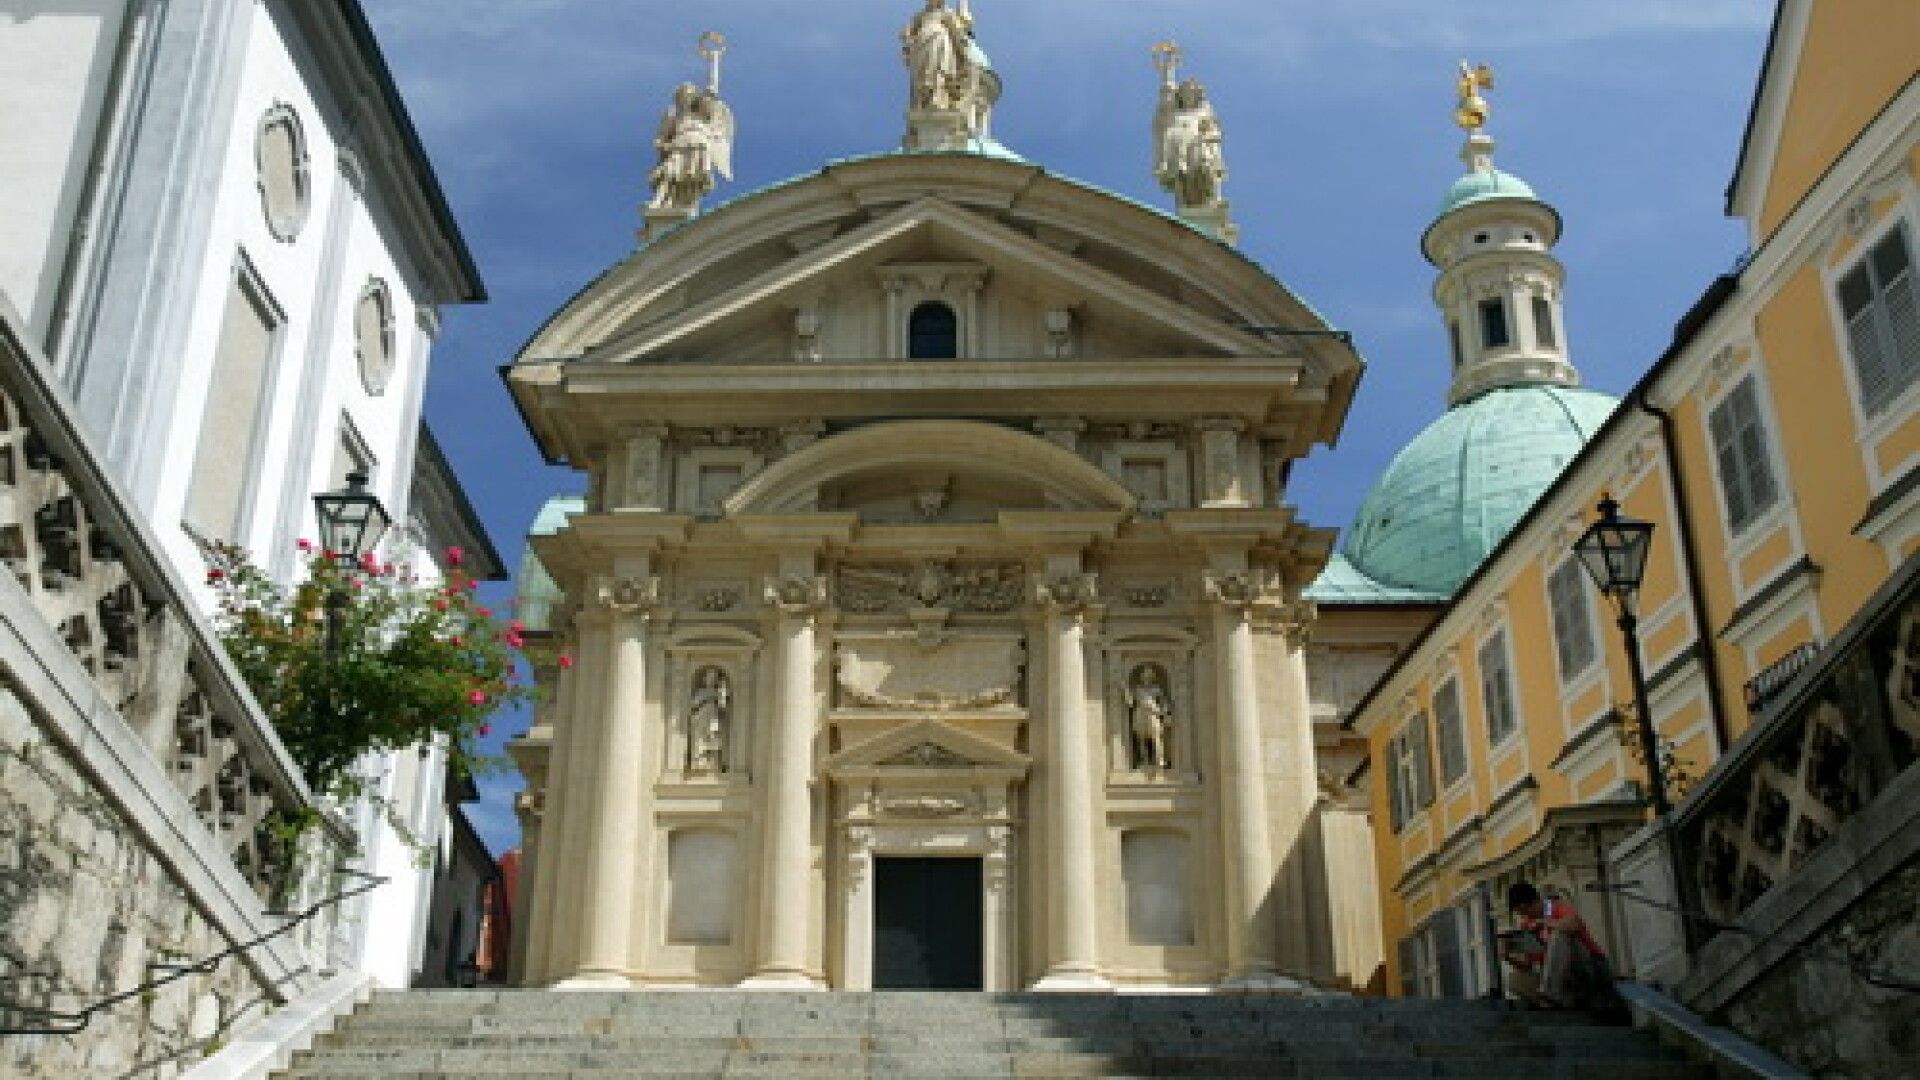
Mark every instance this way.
x=500 y=1035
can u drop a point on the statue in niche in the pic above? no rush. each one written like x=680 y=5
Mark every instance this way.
x=1187 y=139
x=695 y=141
x=1150 y=716
x=935 y=44
x=709 y=715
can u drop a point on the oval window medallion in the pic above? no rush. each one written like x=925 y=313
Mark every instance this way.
x=280 y=155
x=373 y=336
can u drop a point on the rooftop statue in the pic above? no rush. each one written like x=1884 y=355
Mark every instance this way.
x=1471 y=113
x=1187 y=137
x=695 y=140
x=944 y=76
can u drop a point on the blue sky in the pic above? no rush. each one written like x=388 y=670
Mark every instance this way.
x=1625 y=115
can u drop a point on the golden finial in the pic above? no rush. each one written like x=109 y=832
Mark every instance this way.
x=713 y=46
x=1166 y=60
x=1472 y=111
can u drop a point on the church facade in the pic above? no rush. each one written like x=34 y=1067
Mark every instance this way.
x=934 y=617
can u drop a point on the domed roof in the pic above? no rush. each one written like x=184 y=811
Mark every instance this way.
x=1452 y=495
x=1488 y=183
x=538 y=593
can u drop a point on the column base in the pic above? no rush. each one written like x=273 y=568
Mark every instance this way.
x=1072 y=982
x=594 y=982
x=1267 y=982
x=781 y=980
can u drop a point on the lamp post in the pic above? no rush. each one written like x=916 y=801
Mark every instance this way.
x=1614 y=551
x=352 y=521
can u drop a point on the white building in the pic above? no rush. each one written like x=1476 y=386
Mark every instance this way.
x=218 y=222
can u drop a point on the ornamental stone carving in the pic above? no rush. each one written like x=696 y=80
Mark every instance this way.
x=796 y=594
x=906 y=674
x=1066 y=592
x=628 y=595
x=1243 y=590
x=929 y=755
x=990 y=589
x=925 y=806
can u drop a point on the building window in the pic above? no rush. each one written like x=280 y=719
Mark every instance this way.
x=1452 y=733
x=1740 y=451
x=933 y=332
x=232 y=429
x=1496 y=688
x=1494 y=331
x=1543 y=323
x=1453 y=339
x=1880 y=301
x=1572 y=619
x=1411 y=778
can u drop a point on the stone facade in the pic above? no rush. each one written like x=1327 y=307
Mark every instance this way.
x=1022 y=591
x=85 y=909
x=1818 y=1011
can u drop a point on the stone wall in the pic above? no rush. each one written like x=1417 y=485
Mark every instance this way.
x=1820 y=1011
x=85 y=906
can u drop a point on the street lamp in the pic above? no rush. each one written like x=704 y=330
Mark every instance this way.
x=352 y=521
x=1614 y=551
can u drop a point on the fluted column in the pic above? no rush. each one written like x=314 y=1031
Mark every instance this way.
x=787 y=909
x=1249 y=843
x=610 y=778
x=1073 y=836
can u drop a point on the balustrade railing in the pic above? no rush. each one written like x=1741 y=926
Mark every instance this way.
x=93 y=571
x=1843 y=728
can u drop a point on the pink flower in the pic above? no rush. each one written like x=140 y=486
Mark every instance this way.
x=566 y=662
x=476 y=697
x=484 y=730
x=516 y=626
x=515 y=641
x=215 y=575
x=456 y=556
x=440 y=604
x=304 y=545
x=473 y=586
x=485 y=613
x=457 y=641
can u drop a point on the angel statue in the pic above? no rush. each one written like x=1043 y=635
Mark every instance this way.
x=695 y=142
x=1471 y=112
x=709 y=710
x=1150 y=718
x=936 y=48
x=1187 y=138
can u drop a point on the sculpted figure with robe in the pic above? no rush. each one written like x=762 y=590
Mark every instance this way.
x=935 y=44
x=1150 y=718
x=694 y=143
x=709 y=711
x=1187 y=156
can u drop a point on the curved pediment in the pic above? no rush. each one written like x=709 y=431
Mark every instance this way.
x=907 y=467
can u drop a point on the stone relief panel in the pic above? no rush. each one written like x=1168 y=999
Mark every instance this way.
x=703 y=870
x=904 y=673
x=714 y=596
x=988 y=588
x=1157 y=867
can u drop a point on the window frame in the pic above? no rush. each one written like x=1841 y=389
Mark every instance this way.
x=1560 y=619
x=1876 y=406
x=1503 y=725
x=1738 y=445
x=1491 y=306
x=1454 y=740
x=951 y=335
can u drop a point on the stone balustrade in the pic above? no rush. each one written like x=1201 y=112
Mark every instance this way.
x=143 y=794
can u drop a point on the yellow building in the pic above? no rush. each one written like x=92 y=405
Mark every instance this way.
x=1774 y=447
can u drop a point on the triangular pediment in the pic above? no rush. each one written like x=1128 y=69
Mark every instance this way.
x=922 y=747
x=842 y=284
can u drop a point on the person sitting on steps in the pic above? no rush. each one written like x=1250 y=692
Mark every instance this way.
x=1552 y=957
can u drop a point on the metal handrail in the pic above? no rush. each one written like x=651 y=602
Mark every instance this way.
x=42 y=1021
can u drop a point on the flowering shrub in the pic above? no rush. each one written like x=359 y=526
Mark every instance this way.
x=392 y=662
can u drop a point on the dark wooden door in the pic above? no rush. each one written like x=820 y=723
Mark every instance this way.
x=926 y=924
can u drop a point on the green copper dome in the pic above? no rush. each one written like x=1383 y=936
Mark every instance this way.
x=538 y=594
x=1486 y=183
x=1452 y=495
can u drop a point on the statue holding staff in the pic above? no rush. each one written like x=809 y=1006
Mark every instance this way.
x=1188 y=159
x=695 y=139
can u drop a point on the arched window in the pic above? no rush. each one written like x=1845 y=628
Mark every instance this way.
x=933 y=332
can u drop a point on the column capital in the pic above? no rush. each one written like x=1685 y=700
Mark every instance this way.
x=1068 y=594
x=627 y=596
x=796 y=594
x=1244 y=591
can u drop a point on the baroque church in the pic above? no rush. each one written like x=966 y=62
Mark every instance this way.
x=935 y=617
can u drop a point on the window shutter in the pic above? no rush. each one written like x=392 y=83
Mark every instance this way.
x=1395 y=783
x=1453 y=737
x=1758 y=471
x=1447 y=955
x=1900 y=293
x=1727 y=456
x=1422 y=753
